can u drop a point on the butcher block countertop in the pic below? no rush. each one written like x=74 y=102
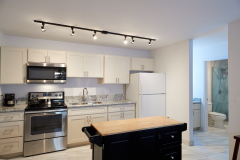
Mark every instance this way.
x=136 y=124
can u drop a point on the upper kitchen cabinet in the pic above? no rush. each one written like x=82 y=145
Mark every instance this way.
x=13 y=65
x=116 y=70
x=40 y=55
x=84 y=65
x=142 y=64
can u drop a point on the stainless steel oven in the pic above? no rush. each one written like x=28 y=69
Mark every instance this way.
x=45 y=131
x=46 y=72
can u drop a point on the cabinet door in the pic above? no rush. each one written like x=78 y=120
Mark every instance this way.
x=76 y=64
x=37 y=55
x=97 y=118
x=136 y=64
x=13 y=65
x=57 y=56
x=94 y=65
x=146 y=144
x=110 y=69
x=196 y=118
x=147 y=64
x=123 y=70
x=118 y=147
x=75 y=124
x=129 y=115
x=115 y=116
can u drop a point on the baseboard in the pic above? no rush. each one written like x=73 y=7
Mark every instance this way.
x=78 y=144
x=189 y=143
x=10 y=156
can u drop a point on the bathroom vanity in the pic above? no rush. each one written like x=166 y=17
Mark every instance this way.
x=136 y=139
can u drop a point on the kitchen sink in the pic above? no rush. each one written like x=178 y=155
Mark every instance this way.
x=83 y=103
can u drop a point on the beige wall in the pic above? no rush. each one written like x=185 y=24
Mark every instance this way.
x=234 y=83
x=176 y=61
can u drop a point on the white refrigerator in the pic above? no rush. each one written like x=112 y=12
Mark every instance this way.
x=148 y=90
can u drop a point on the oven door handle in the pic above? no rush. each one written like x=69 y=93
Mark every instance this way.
x=45 y=111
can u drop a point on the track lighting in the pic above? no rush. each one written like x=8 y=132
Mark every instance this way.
x=150 y=42
x=95 y=32
x=132 y=40
x=72 y=34
x=125 y=40
x=94 y=35
x=43 y=30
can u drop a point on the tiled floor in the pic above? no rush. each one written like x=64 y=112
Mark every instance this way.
x=211 y=145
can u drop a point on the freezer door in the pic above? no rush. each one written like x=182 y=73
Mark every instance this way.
x=152 y=105
x=152 y=83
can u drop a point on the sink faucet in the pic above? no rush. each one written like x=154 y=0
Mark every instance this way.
x=83 y=98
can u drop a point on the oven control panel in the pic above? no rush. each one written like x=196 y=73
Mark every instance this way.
x=47 y=95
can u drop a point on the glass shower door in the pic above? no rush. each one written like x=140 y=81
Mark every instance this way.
x=220 y=90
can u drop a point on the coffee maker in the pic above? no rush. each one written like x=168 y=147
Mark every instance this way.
x=9 y=99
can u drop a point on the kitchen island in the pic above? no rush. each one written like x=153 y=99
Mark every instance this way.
x=152 y=138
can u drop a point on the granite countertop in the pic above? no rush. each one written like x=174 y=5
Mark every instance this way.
x=104 y=103
x=16 y=108
x=196 y=100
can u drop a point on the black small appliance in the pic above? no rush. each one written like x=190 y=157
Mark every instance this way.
x=9 y=99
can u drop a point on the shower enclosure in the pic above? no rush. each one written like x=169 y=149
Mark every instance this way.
x=220 y=90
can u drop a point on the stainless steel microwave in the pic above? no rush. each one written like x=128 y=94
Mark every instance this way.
x=46 y=72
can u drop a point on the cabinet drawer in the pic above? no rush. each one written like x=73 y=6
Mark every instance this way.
x=118 y=108
x=196 y=106
x=11 y=129
x=12 y=116
x=11 y=145
x=171 y=153
x=86 y=110
x=170 y=136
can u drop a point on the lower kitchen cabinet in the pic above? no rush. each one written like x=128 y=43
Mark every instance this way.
x=76 y=123
x=11 y=145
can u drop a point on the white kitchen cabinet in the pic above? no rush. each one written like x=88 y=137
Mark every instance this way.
x=75 y=125
x=76 y=64
x=57 y=56
x=97 y=118
x=52 y=56
x=143 y=64
x=37 y=55
x=13 y=65
x=11 y=145
x=121 y=115
x=116 y=70
x=196 y=118
x=84 y=65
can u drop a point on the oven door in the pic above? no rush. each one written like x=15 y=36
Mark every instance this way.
x=45 y=125
x=46 y=73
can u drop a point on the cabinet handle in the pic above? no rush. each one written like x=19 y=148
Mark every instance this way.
x=172 y=157
x=90 y=119
x=172 y=136
x=143 y=67
x=116 y=80
x=120 y=115
x=123 y=114
x=8 y=130
x=8 y=117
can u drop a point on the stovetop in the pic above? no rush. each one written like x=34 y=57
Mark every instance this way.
x=56 y=100
x=45 y=107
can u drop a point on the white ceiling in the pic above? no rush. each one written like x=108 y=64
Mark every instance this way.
x=169 y=21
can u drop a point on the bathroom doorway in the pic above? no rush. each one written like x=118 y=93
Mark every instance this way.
x=217 y=93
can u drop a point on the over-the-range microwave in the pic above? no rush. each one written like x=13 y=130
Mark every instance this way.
x=46 y=72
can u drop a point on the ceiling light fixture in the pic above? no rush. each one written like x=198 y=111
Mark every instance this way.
x=125 y=40
x=93 y=30
x=150 y=43
x=132 y=40
x=42 y=27
x=94 y=35
x=72 y=34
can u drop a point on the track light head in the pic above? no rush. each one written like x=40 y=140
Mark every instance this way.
x=125 y=40
x=42 y=27
x=72 y=34
x=150 y=42
x=132 y=40
x=94 y=35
